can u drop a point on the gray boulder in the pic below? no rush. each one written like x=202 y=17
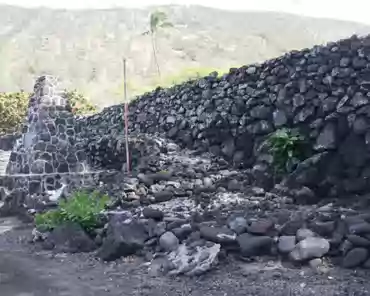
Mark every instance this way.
x=309 y=248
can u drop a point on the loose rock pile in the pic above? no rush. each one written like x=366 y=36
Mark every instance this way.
x=183 y=212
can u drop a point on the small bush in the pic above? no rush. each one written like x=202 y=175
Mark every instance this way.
x=79 y=103
x=48 y=220
x=13 y=110
x=287 y=148
x=82 y=208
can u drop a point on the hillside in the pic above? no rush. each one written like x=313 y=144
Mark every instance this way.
x=84 y=48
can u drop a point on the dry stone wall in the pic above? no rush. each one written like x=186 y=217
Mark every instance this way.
x=323 y=92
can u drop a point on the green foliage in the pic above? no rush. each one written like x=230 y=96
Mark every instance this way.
x=82 y=208
x=48 y=220
x=287 y=148
x=80 y=104
x=158 y=19
x=13 y=109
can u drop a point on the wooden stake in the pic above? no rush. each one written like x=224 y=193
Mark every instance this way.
x=125 y=116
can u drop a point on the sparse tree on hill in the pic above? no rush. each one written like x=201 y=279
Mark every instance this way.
x=157 y=20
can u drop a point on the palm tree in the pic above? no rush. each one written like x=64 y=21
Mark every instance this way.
x=157 y=20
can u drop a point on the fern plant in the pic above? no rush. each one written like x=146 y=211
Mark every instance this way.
x=287 y=148
x=82 y=208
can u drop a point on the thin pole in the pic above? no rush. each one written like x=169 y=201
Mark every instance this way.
x=125 y=115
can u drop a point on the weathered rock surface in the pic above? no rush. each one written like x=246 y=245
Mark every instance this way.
x=69 y=238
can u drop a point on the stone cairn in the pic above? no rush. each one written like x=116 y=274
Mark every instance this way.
x=49 y=143
x=48 y=154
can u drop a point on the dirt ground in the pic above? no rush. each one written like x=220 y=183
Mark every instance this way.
x=27 y=271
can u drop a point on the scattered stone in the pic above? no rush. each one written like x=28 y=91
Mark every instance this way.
x=168 y=241
x=182 y=232
x=260 y=227
x=304 y=233
x=218 y=235
x=358 y=241
x=251 y=245
x=291 y=227
x=355 y=257
x=151 y=213
x=323 y=228
x=69 y=238
x=286 y=244
x=122 y=239
x=360 y=228
x=237 y=224
x=309 y=248
x=163 y=196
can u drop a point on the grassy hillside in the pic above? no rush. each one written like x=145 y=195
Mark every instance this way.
x=85 y=48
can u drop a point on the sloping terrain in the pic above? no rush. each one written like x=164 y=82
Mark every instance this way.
x=85 y=47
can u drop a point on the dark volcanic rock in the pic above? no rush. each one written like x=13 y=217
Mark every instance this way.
x=122 y=239
x=355 y=257
x=251 y=245
x=69 y=238
x=151 y=213
x=218 y=235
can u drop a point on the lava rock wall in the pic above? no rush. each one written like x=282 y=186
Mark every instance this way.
x=323 y=92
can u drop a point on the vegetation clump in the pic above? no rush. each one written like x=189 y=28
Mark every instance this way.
x=82 y=207
x=79 y=103
x=288 y=148
x=13 y=109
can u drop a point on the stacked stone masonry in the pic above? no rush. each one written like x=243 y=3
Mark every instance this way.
x=322 y=91
x=49 y=143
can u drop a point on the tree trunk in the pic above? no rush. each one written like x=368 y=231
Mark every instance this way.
x=155 y=54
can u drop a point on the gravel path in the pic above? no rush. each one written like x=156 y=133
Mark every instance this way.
x=26 y=271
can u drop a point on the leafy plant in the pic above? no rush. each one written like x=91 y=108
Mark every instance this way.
x=157 y=20
x=80 y=104
x=13 y=109
x=48 y=220
x=82 y=208
x=287 y=148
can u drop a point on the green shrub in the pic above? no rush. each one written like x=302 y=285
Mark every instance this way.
x=48 y=220
x=287 y=148
x=13 y=110
x=79 y=103
x=82 y=208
